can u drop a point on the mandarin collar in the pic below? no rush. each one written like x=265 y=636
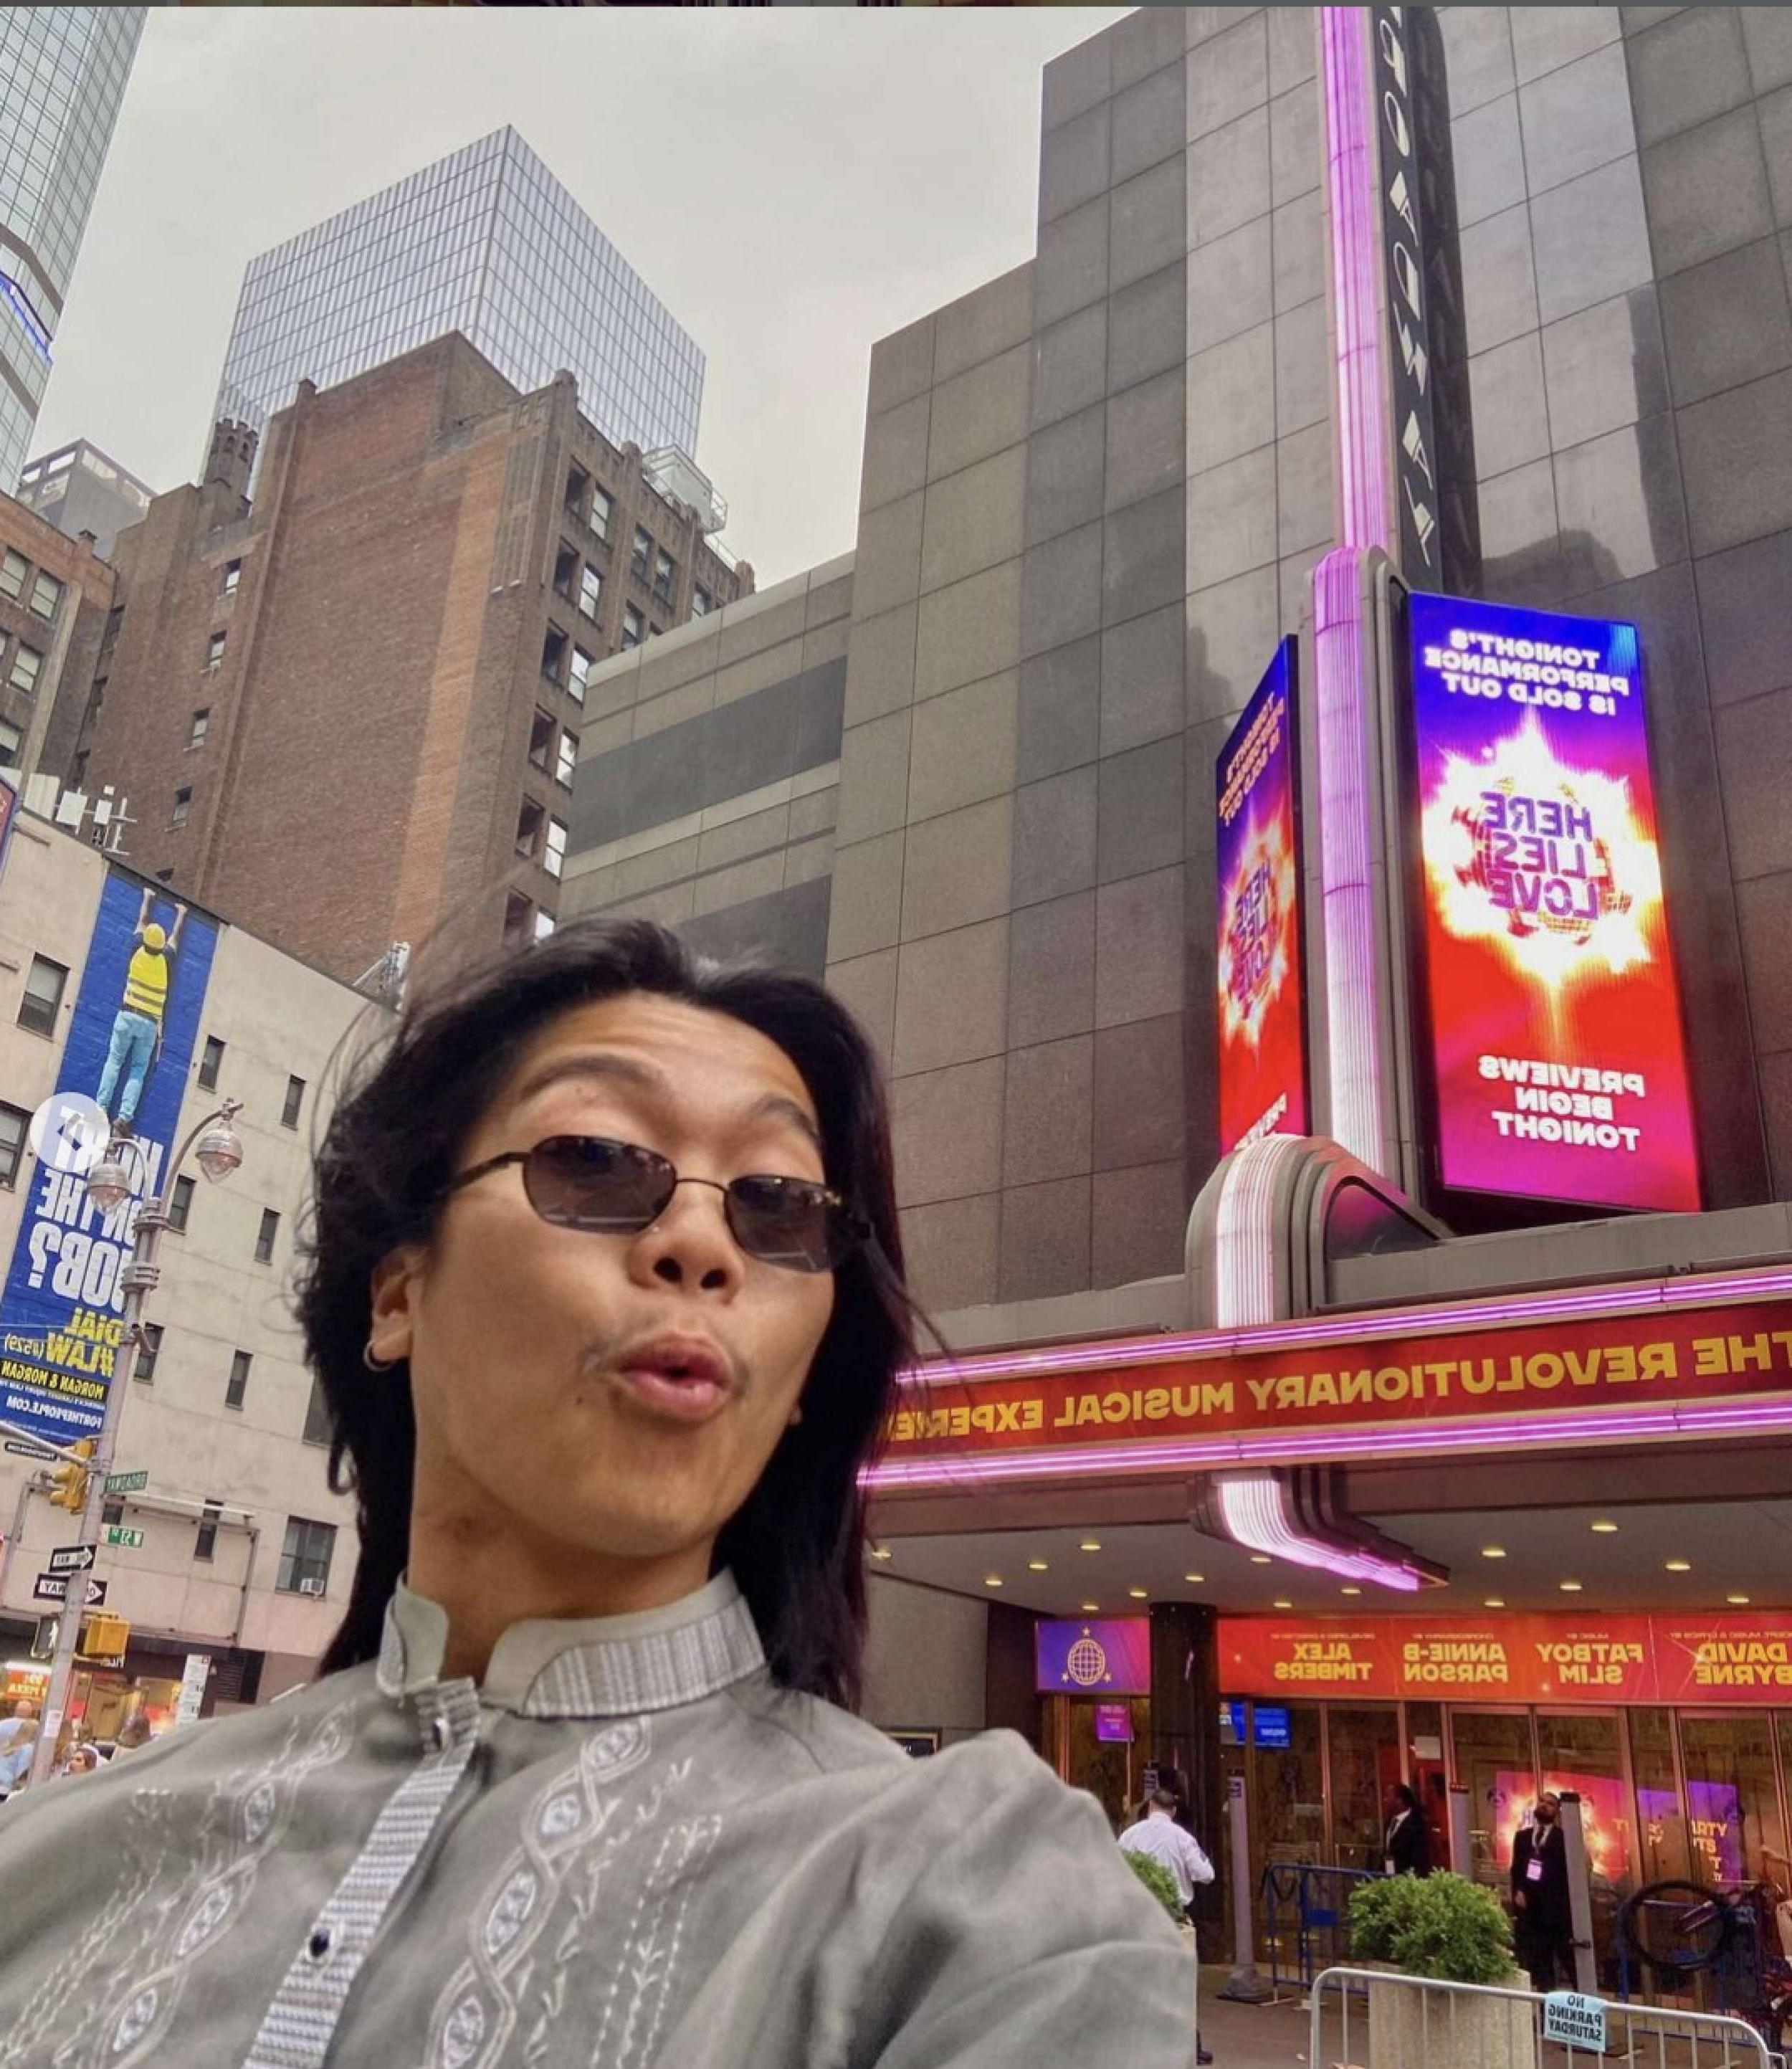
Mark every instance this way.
x=591 y=1667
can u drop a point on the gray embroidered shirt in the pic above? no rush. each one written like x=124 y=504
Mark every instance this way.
x=625 y=1849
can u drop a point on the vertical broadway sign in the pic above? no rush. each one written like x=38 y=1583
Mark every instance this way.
x=1403 y=257
x=1559 y=1063
x=1262 y=1059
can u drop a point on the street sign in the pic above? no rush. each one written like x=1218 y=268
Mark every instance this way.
x=1578 y=2020
x=132 y=1541
x=54 y=1588
x=72 y=1559
x=192 y=1687
x=126 y=1483
x=29 y=1451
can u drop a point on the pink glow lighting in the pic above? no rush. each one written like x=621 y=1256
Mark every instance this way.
x=1245 y=1236
x=1362 y=443
x=1469 y=1434
x=1254 y=1515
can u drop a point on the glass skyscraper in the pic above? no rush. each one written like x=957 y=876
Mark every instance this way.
x=486 y=242
x=62 y=75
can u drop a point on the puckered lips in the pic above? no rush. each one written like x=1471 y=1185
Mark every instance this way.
x=682 y=1379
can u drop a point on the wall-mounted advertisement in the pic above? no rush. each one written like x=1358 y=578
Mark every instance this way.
x=1263 y=1043
x=1110 y=1656
x=130 y=1046
x=1557 y=1058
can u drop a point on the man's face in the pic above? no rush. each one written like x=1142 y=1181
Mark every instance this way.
x=531 y=1424
x=1546 y=1809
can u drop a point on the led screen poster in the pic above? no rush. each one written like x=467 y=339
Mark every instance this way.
x=1262 y=1060
x=129 y=1045
x=1556 y=1052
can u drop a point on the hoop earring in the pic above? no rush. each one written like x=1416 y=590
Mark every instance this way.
x=377 y=1365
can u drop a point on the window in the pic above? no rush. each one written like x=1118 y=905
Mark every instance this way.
x=642 y=558
x=590 y=591
x=148 y=1351
x=206 y=1544
x=238 y=1386
x=233 y=574
x=26 y=663
x=635 y=627
x=665 y=572
x=529 y=829
x=517 y=912
x=180 y=1206
x=14 y=1126
x=112 y=1511
x=46 y=595
x=540 y=737
x=211 y=1062
x=77 y=776
x=701 y=604
x=565 y=571
x=42 y=1000
x=214 y=650
x=264 y=1242
x=555 y=859
x=553 y=654
x=319 y=1428
x=13 y=571
x=199 y=726
x=544 y=925
x=295 y=1100
x=569 y=759
x=10 y=737
x=603 y=506
x=305 y=1556
x=183 y=807
x=578 y=486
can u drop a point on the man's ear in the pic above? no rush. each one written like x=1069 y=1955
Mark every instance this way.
x=397 y=1285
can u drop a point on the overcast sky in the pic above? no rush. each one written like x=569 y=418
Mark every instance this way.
x=792 y=183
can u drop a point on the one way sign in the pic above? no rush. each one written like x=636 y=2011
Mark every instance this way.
x=54 y=1588
x=72 y=1559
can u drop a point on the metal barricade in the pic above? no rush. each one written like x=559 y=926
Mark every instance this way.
x=1371 y=2018
x=1306 y=1912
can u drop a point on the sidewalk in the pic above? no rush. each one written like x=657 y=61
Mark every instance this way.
x=1244 y=2036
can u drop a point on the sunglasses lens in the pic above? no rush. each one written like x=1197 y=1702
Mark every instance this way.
x=586 y=1181
x=790 y=1222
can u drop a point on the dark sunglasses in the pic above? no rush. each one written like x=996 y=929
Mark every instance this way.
x=609 y=1188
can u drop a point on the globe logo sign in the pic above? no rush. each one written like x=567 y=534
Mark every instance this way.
x=1086 y=1663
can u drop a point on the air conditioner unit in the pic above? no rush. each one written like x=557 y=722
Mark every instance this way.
x=311 y=1587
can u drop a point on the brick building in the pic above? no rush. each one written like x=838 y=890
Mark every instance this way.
x=55 y=594
x=346 y=715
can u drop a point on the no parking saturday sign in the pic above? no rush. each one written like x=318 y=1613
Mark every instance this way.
x=1580 y=2020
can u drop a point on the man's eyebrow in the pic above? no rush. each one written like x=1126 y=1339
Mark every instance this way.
x=602 y=1066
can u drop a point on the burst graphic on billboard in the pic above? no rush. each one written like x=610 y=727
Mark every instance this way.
x=1263 y=1073
x=1559 y=1067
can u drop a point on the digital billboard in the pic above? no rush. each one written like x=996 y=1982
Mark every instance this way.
x=1262 y=1044
x=1108 y=1656
x=1558 y=1064
x=130 y=1045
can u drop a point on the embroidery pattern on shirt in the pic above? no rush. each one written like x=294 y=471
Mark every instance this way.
x=111 y=1997
x=516 y=1979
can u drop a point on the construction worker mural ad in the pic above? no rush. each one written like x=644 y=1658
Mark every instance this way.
x=137 y=1032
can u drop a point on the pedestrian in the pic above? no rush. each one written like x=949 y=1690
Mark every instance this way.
x=134 y=1732
x=1544 y=1938
x=603 y=1289
x=84 y=1760
x=1406 y=1843
x=1159 y=1834
x=17 y=1741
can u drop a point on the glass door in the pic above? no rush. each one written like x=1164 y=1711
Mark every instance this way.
x=1731 y=1796
x=1492 y=1753
x=1364 y=1745
x=1582 y=1750
x=1661 y=1848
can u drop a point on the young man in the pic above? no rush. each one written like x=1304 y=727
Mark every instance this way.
x=1544 y=1937
x=605 y=1294
x=136 y=1030
x=1406 y=1843
x=1158 y=1835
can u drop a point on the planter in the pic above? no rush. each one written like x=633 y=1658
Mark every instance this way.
x=1412 y=2026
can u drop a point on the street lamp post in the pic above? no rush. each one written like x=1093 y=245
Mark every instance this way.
x=109 y=1185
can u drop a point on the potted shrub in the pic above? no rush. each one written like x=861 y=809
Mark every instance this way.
x=1453 y=1931
x=1158 y=1879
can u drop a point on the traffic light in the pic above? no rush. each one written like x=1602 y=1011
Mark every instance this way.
x=43 y=1642
x=103 y=1636
x=71 y=1491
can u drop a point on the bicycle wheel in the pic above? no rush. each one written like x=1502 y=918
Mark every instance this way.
x=1677 y=1928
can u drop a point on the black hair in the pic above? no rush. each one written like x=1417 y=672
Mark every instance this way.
x=796 y=1546
x=1403 y=1794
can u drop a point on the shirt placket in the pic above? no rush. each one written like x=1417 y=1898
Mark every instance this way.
x=301 y=2022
